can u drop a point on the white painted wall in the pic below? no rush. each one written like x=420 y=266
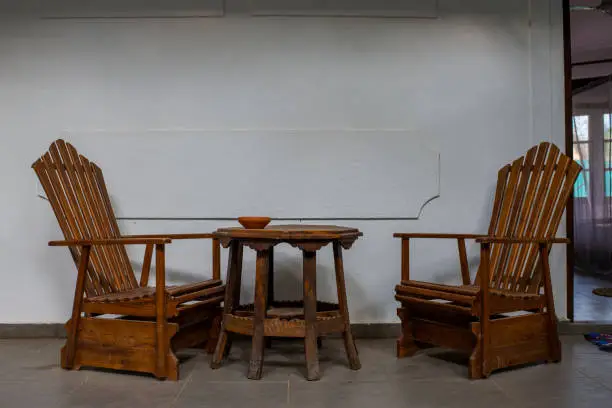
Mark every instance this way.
x=480 y=81
x=324 y=174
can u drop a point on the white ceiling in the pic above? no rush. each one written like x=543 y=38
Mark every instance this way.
x=591 y=40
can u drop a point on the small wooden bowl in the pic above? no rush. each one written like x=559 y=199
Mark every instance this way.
x=254 y=222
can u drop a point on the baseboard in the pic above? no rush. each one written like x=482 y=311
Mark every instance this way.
x=376 y=330
x=360 y=330
x=32 y=330
x=581 y=328
x=57 y=330
x=393 y=330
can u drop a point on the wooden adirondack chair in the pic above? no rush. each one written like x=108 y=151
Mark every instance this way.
x=530 y=199
x=154 y=321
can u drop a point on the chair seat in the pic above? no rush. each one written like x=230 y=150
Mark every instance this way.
x=467 y=296
x=190 y=291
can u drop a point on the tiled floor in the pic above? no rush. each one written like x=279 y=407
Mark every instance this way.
x=587 y=306
x=30 y=377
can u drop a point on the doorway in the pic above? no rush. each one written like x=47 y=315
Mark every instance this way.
x=589 y=68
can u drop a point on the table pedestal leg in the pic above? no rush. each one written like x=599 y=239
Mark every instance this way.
x=270 y=301
x=349 y=342
x=310 y=314
x=261 y=295
x=232 y=299
x=237 y=284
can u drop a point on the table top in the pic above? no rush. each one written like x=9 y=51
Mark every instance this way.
x=298 y=232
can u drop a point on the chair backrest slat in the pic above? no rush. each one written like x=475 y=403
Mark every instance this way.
x=76 y=191
x=65 y=210
x=557 y=205
x=107 y=211
x=529 y=202
x=58 y=205
x=508 y=252
x=78 y=209
x=534 y=164
x=498 y=252
x=542 y=223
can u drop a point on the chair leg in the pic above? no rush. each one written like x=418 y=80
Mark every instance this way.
x=213 y=334
x=64 y=358
x=232 y=298
x=475 y=363
x=163 y=351
x=554 y=344
x=220 y=350
x=553 y=339
x=406 y=346
x=172 y=367
x=484 y=352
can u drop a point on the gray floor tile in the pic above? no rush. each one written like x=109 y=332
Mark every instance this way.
x=378 y=363
x=577 y=345
x=31 y=376
x=398 y=393
x=594 y=366
x=121 y=394
x=281 y=361
x=554 y=385
x=33 y=360
x=50 y=392
x=587 y=306
x=234 y=394
x=286 y=360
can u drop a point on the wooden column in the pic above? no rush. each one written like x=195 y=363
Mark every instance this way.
x=77 y=305
x=162 y=343
x=146 y=266
x=485 y=334
x=554 y=345
x=405 y=259
x=216 y=259
x=465 y=267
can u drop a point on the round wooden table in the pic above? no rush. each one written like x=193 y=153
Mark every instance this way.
x=308 y=319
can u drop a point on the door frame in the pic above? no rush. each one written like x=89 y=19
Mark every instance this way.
x=569 y=212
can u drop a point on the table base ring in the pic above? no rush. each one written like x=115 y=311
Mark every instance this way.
x=285 y=319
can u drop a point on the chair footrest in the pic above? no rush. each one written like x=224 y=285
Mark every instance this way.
x=463 y=298
x=431 y=294
x=201 y=294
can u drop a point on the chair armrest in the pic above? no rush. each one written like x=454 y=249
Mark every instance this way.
x=437 y=236
x=112 y=241
x=146 y=264
x=507 y=240
x=172 y=236
x=463 y=262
